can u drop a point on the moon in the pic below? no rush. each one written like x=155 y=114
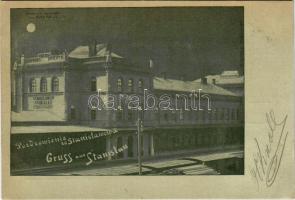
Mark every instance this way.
x=31 y=27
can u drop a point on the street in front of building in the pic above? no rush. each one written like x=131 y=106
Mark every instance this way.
x=210 y=163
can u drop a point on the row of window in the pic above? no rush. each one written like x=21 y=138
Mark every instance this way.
x=226 y=114
x=187 y=140
x=55 y=84
x=43 y=84
x=218 y=114
x=120 y=85
x=130 y=85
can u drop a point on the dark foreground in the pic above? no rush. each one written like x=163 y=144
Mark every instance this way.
x=230 y=162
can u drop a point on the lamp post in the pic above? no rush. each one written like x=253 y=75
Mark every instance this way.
x=139 y=145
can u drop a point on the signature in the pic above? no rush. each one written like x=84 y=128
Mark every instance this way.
x=267 y=158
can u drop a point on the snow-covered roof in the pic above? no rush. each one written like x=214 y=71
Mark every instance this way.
x=36 y=116
x=226 y=77
x=53 y=129
x=189 y=86
x=230 y=73
x=83 y=52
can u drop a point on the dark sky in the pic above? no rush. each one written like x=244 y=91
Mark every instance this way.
x=185 y=42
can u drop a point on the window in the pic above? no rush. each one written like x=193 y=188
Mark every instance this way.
x=141 y=114
x=130 y=145
x=130 y=85
x=215 y=117
x=120 y=85
x=120 y=115
x=181 y=114
x=54 y=84
x=204 y=115
x=93 y=114
x=233 y=114
x=43 y=85
x=130 y=115
x=200 y=139
x=223 y=114
x=120 y=144
x=33 y=85
x=166 y=117
x=140 y=85
x=218 y=113
x=93 y=84
x=72 y=113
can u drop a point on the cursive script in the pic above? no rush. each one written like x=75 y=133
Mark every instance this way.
x=267 y=158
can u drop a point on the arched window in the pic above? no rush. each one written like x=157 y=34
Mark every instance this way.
x=93 y=84
x=54 y=84
x=33 y=85
x=43 y=85
x=140 y=85
x=120 y=85
x=130 y=85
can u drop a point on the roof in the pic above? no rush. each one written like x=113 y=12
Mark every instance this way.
x=53 y=129
x=219 y=155
x=199 y=169
x=83 y=52
x=226 y=77
x=230 y=73
x=223 y=80
x=107 y=171
x=36 y=116
x=189 y=86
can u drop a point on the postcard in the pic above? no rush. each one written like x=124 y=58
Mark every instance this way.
x=147 y=99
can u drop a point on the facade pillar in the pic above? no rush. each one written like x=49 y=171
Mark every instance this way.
x=108 y=145
x=134 y=148
x=145 y=145
x=19 y=91
x=114 y=145
x=125 y=142
x=152 y=144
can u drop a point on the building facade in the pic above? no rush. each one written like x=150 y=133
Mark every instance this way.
x=60 y=91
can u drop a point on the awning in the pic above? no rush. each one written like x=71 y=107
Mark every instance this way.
x=37 y=116
x=54 y=129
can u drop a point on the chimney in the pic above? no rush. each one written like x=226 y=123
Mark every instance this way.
x=204 y=80
x=163 y=74
x=22 y=60
x=214 y=81
x=92 y=48
x=109 y=53
x=151 y=63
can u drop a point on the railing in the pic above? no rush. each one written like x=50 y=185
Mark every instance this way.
x=51 y=58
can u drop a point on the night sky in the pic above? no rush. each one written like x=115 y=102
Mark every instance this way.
x=188 y=42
